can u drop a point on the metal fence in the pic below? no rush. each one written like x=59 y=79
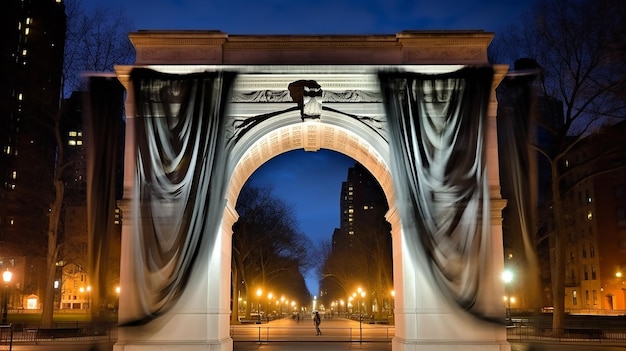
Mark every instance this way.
x=523 y=332
x=267 y=334
x=76 y=331
x=6 y=337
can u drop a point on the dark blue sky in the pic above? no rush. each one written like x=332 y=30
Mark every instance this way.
x=317 y=16
x=310 y=182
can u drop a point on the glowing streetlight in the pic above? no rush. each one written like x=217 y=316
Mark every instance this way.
x=259 y=292
x=393 y=300
x=6 y=276
x=507 y=277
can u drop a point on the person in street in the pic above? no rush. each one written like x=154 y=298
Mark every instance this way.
x=316 y=321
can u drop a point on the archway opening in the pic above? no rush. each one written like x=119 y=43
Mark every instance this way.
x=340 y=243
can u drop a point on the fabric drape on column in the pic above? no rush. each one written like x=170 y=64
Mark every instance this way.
x=180 y=181
x=437 y=145
x=103 y=112
x=518 y=174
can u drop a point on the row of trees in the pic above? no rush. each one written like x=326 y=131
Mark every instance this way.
x=269 y=252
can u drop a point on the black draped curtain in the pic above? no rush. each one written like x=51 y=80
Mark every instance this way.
x=104 y=109
x=180 y=183
x=518 y=173
x=437 y=145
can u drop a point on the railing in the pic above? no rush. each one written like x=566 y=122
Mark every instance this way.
x=528 y=332
x=75 y=331
x=6 y=337
x=267 y=333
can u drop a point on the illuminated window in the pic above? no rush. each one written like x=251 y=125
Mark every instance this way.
x=11 y=222
x=365 y=207
x=574 y=298
x=29 y=20
x=71 y=142
x=351 y=210
x=20 y=96
x=589 y=215
x=24 y=52
x=351 y=232
x=27 y=31
x=72 y=133
x=14 y=175
x=79 y=142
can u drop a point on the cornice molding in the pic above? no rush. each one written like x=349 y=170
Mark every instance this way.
x=214 y=47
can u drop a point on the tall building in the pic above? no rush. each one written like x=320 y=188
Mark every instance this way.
x=362 y=205
x=361 y=257
x=33 y=34
x=595 y=205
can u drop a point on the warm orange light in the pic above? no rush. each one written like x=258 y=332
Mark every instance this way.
x=6 y=276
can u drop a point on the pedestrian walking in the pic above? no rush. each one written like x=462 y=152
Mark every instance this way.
x=316 y=321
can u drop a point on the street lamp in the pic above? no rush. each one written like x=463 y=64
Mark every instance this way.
x=259 y=292
x=507 y=277
x=6 y=276
x=393 y=298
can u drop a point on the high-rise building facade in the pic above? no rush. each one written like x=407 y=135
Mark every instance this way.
x=596 y=223
x=361 y=258
x=33 y=34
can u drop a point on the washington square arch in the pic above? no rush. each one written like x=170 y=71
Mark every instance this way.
x=205 y=109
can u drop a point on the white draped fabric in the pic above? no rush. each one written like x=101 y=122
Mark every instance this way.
x=437 y=145
x=179 y=182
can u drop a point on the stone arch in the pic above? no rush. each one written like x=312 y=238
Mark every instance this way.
x=424 y=319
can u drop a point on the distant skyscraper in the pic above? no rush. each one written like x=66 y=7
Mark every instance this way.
x=361 y=247
x=33 y=34
x=362 y=205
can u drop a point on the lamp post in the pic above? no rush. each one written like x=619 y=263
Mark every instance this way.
x=507 y=277
x=393 y=298
x=259 y=292
x=6 y=276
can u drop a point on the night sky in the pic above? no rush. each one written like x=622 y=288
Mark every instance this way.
x=317 y=17
x=311 y=181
